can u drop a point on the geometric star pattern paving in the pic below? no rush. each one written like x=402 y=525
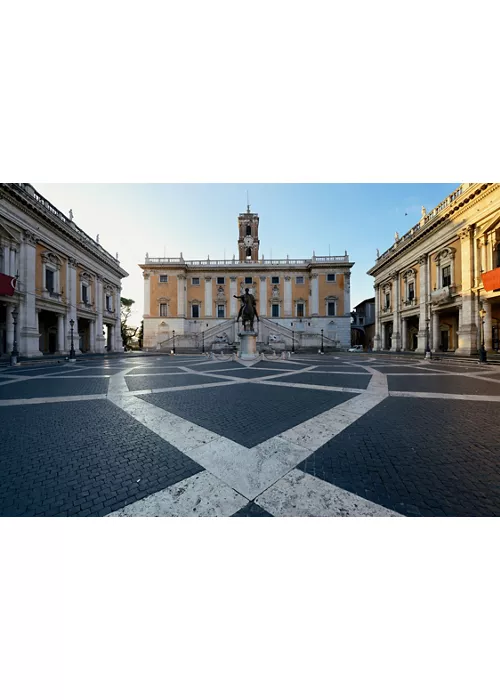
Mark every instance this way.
x=192 y=436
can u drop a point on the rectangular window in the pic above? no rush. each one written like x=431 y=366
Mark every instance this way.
x=387 y=302
x=49 y=280
x=331 y=308
x=275 y=280
x=163 y=309
x=248 y=280
x=330 y=278
x=446 y=276
x=220 y=310
x=300 y=310
x=108 y=303
x=195 y=281
x=85 y=294
x=221 y=280
x=299 y=280
x=361 y=320
x=195 y=311
x=163 y=278
x=275 y=311
x=411 y=291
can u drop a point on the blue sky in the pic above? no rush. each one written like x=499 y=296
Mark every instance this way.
x=201 y=220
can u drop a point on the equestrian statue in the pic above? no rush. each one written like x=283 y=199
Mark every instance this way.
x=248 y=309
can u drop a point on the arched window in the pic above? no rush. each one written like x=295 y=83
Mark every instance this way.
x=249 y=230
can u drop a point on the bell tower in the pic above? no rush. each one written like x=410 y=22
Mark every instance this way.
x=248 y=240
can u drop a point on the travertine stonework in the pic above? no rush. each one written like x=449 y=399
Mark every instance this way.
x=432 y=288
x=191 y=304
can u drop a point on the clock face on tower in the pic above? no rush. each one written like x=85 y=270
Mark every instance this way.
x=248 y=240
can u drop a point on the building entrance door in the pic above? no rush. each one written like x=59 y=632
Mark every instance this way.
x=444 y=341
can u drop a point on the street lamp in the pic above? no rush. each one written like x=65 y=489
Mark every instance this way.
x=173 y=342
x=322 y=348
x=293 y=341
x=482 y=350
x=14 y=354
x=203 y=341
x=427 y=344
x=72 y=357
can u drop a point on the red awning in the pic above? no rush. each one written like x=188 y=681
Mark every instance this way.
x=491 y=279
x=7 y=285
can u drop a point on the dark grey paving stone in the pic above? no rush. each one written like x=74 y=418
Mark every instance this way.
x=445 y=384
x=282 y=365
x=418 y=457
x=85 y=458
x=248 y=373
x=398 y=369
x=156 y=369
x=351 y=381
x=247 y=413
x=184 y=379
x=252 y=510
x=38 y=388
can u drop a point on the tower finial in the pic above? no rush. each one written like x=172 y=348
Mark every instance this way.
x=248 y=204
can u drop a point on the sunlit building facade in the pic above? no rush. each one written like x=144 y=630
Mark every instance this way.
x=191 y=303
x=438 y=286
x=56 y=273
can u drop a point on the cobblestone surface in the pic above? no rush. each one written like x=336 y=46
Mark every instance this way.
x=446 y=384
x=419 y=457
x=137 y=383
x=36 y=388
x=351 y=381
x=81 y=458
x=247 y=413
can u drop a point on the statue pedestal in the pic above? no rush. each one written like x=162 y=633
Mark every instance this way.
x=248 y=345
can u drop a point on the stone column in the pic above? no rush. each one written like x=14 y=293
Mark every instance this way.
x=347 y=293
x=404 y=332
x=314 y=295
x=118 y=343
x=71 y=295
x=424 y=277
x=435 y=341
x=288 y=296
x=28 y=334
x=10 y=328
x=147 y=293
x=181 y=296
x=396 y=335
x=467 y=340
x=488 y=327
x=60 y=333
x=13 y=262
x=92 y=333
x=99 y=337
x=232 y=300
x=377 y=340
x=262 y=296
x=208 y=297
x=6 y=260
x=111 y=338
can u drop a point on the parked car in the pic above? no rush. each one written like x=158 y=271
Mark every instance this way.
x=356 y=348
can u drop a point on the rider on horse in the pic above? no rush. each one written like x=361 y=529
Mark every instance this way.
x=248 y=309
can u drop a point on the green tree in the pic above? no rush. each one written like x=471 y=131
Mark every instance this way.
x=128 y=333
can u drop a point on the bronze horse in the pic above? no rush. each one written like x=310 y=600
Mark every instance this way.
x=248 y=310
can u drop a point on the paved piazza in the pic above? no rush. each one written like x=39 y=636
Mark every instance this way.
x=332 y=435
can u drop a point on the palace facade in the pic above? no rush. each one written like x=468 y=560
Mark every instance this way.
x=438 y=286
x=61 y=274
x=191 y=304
